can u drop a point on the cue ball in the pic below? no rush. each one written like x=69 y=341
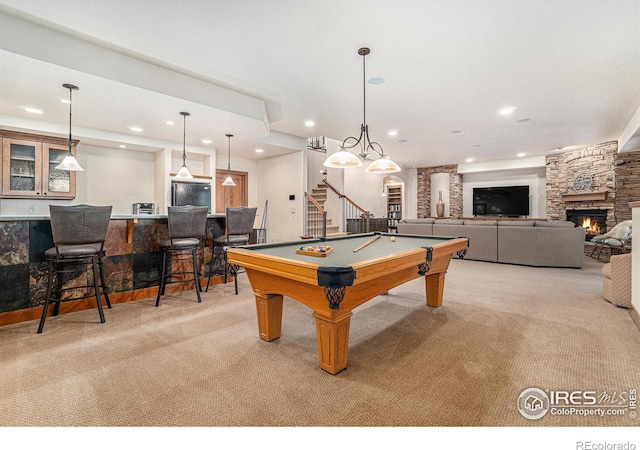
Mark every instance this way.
x=393 y=238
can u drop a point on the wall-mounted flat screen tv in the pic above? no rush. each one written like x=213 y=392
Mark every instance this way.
x=501 y=201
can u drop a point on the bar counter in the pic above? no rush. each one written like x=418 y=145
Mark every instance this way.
x=132 y=265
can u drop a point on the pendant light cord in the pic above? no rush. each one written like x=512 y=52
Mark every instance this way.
x=184 y=140
x=229 y=136
x=70 y=143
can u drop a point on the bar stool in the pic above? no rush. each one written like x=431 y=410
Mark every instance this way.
x=78 y=234
x=186 y=234
x=239 y=226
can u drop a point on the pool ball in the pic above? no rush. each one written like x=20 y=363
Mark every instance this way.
x=393 y=238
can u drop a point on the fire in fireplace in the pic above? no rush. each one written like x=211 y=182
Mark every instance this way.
x=594 y=220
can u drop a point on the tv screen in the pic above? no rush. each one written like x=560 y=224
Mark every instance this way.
x=506 y=201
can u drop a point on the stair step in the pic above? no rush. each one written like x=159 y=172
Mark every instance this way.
x=319 y=222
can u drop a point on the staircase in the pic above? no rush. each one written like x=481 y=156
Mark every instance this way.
x=320 y=195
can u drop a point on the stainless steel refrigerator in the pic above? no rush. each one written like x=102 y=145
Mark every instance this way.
x=190 y=193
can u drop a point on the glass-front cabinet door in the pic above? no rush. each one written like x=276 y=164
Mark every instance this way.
x=57 y=183
x=21 y=167
x=29 y=166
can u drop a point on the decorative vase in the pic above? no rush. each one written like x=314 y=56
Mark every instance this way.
x=440 y=206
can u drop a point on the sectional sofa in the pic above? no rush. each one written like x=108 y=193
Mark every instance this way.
x=527 y=242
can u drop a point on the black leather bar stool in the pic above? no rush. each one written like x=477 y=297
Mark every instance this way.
x=239 y=226
x=78 y=233
x=186 y=235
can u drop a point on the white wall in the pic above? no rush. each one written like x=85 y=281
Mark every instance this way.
x=410 y=178
x=118 y=177
x=534 y=177
x=635 y=264
x=114 y=177
x=315 y=167
x=111 y=177
x=279 y=177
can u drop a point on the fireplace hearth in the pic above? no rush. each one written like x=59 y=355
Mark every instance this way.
x=593 y=220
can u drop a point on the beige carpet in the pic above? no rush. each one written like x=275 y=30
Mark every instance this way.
x=501 y=329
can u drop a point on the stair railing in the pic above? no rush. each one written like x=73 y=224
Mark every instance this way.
x=316 y=218
x=355 y=219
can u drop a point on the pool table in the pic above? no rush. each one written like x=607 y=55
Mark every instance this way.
x=334 y=284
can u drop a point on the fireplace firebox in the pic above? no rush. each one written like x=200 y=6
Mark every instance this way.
x=593 y=220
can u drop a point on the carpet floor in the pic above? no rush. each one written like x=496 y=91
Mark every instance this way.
x=501 y=329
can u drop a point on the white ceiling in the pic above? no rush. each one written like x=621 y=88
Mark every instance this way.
x=258 y=69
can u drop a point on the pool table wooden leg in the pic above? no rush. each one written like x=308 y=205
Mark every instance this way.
x=269 y=308
x=435 y=288
x=332 y=335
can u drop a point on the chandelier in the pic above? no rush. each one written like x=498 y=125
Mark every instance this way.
x=343 y=159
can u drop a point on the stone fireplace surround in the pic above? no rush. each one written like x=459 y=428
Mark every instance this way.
x=616 y=182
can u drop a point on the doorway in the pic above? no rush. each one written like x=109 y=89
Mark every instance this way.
x=231 y=196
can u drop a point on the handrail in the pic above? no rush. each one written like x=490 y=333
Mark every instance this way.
x=314 y=202
x=351 y=202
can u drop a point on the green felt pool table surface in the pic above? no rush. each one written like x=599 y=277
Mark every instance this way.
x=343 y=247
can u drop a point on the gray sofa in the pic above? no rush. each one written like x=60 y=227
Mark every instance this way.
x=525 y=242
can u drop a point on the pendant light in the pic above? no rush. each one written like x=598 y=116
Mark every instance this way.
x=229 y=181
x=343 y=159
x=184 y=173
x=69 y=162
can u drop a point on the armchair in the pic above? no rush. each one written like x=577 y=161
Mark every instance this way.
x=616 y=280
x=615 y=239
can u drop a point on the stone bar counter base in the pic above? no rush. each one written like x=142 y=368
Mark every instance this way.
x=132 y=265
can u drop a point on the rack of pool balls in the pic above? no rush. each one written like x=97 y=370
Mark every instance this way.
x=314 y=250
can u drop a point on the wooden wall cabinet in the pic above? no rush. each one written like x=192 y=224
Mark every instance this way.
x=28 y=167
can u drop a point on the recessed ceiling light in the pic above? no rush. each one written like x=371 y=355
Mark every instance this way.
x=136 y=129
x=520 y=155
x=393 y=133
x=477 y=145
x=169 y=122
x=507 y=110
x=33 y=110
x=455 y=131
x=402 y=141
x=259 y=150
x=376 y=80
x=469 y=160
x=207 y=141
x=522 y=120
x=309 y=123
x=122 y=146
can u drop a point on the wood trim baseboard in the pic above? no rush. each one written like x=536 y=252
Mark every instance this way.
x=24 y=315
x=635 y=317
